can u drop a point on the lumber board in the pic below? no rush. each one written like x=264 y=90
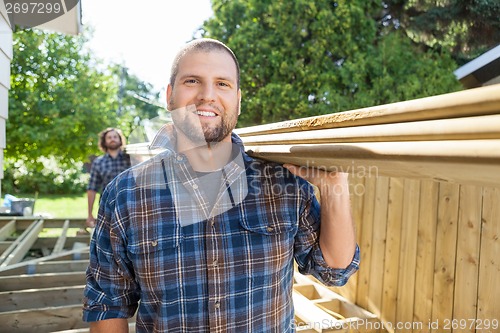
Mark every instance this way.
x=318 y=307
x=446 y=244
x=426 y=249
x=40 y=298
x=59 y=246
x=407 y=259
x=479 y=151
x=7 y=230
x=366 y=242
x=467 y=262
x=21 y=245
x=489 y=267
x=392 y=250
x=42 y=320
x=76 y=254
x=4 y=245
x=23 y=222
x=474 y=162
x=51 y=242
x=312 y=316
x=472 y=102
x=378 y=248
x=48 y=267
x=468 y=128
x=46 y=280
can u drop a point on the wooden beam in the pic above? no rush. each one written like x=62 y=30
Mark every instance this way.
x=51 y=242
x=48 y=319
x=319 y=308
x=468 y=128
x=472 y=102
x=21 y=245
x=76 y=254
x=4 y=245
x=48 y=280
x=49 y=267
x=462 y=161
x=23 y=222
x=62 y=238
x=7 y=230
x=488 y=303
x=40 y=298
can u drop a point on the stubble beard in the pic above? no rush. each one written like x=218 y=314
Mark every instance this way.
x=198 y=132
x=113 y=146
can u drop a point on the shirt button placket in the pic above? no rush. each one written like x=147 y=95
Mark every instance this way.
x=215 y=280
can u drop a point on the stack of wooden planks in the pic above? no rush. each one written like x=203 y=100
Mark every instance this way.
x=453 y=138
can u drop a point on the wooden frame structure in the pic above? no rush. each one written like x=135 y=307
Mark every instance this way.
x=41 y=294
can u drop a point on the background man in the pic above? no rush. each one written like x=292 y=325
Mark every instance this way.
x=106 y=167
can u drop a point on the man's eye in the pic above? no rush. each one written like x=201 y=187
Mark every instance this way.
x=190 y=81
x=223 y=84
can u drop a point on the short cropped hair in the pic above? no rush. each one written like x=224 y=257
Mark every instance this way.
x=102 y=138
x=202 y=45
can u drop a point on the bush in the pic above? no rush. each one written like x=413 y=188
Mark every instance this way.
x=45 y=176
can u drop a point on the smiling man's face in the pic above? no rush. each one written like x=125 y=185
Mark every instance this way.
x=205 y=96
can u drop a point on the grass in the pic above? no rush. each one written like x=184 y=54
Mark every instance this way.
x=61 y=206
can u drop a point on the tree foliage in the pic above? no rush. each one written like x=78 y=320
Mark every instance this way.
x=60 y=98
x=303 y=58
x=136 y=100
x=466 y=28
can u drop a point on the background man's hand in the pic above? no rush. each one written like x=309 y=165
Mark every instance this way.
x=90 y=222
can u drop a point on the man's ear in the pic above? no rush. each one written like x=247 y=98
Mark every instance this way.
x=239 y=102
x=169 y=93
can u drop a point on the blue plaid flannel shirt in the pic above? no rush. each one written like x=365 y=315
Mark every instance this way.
x=232 y=272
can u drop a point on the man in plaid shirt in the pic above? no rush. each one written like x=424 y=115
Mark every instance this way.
x=202 y=237
x=106 y=167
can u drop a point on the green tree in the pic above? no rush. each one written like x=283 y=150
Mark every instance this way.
x=466 y=28
x=58 y=99
x=304 y=58
x=61 y=97
x=136 y=100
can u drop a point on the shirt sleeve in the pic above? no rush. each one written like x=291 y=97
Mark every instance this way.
x=111 y=290
x=308 y=254
x=95 y=181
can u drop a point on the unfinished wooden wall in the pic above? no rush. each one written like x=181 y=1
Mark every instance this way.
x=430 y=254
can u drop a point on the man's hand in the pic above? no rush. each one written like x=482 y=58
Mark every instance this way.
x=337 y=238
x=90 y=221
x=320 y=178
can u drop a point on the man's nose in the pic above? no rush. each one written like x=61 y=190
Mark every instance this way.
x=207 y=92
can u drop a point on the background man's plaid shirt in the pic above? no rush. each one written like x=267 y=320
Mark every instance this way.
x=105 y=168
x=230 y=273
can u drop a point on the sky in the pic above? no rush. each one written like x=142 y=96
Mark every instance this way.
x=145 y=35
